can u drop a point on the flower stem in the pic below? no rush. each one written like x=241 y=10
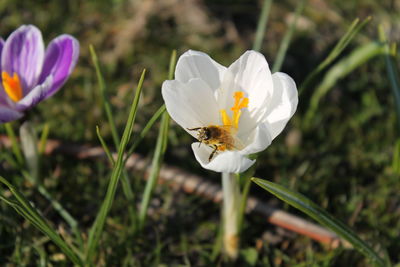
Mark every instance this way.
x=231 y=206
x=14 y=143
x=29 y=146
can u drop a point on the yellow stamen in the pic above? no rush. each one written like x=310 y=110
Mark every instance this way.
x=240 y=102
x=225 y=118
x=12 y=86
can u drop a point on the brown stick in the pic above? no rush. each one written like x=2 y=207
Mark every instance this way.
x=194 y=184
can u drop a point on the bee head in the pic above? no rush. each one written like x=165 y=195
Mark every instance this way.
x=203 y=134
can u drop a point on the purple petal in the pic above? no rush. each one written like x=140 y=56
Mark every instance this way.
x=7 y=114
x=61 y=57
x=36 y=95
x=3 y=95
x=1 y=49
x=23 y=53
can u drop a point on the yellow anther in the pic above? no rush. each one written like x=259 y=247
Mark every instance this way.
x=12 y=86
x=238 y=95
x=240 y=102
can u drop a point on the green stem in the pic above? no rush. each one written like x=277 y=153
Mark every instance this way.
x=29 y=146
x=231 y=206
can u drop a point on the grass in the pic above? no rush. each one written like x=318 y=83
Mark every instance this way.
x=342 y=160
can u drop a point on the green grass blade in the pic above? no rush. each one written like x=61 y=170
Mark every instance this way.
x=245 y=181
x=354 y=28
x=104 y=98
x=72 y=222
x=43 y=138
x=14 y=143
x=24 y=208
x=155 y=169
x=343 y=42
x=126 y=186
x=392 y=71
x=262 y=24
x=104 y=145
x=305 y=205
x=146 y=129
x=337 y=72
x=98 y=225
x=287 y=37
x=63 y=213
x=172 y=63
x=396 y=157
x=30 y=150
x=158 y=113
x=161 y=146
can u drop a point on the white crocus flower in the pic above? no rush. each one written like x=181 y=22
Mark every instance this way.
x=247 y=104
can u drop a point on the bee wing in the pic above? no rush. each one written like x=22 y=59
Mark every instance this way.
x=232 y=132
x=238 y=143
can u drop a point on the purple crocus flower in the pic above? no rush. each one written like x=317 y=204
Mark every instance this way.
x=29 y=73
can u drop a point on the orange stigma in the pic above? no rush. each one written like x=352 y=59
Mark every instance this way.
x=12 y=86
x=240 y=102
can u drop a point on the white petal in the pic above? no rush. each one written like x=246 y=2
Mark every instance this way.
x=228 y=161
x=250 y=74
x=283 y=103
x=190 y=105
x=194 y=64
x=260 y=140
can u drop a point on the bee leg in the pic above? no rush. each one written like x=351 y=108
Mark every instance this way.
x=213 y=153
x=194 y=129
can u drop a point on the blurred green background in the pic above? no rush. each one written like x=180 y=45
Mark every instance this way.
x=341 y=157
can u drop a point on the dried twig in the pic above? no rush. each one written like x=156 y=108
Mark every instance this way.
x=194 y=184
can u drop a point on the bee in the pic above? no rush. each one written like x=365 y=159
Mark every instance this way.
x=218 y=137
